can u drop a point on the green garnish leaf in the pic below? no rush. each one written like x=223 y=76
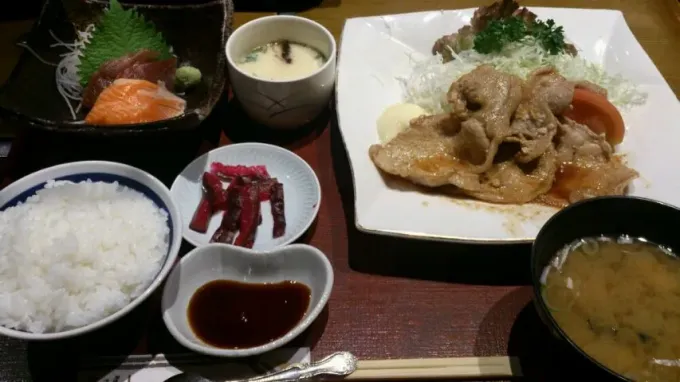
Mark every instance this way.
x=255 y=53
x=251 y=57
x=261 y=49
x=549 y=35
x=118 y=33
x=499 y=33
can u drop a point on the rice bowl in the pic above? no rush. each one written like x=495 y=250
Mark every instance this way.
x=81 y=245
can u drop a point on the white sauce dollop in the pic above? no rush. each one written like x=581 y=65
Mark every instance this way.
x=395 y=119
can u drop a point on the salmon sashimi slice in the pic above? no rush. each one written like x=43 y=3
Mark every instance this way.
x=128 y=101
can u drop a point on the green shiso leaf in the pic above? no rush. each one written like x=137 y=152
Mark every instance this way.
x=118 y=33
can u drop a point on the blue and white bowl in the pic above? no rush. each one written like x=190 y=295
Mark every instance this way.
x=109 y=172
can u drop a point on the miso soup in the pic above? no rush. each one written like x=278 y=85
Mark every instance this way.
x=619 y=301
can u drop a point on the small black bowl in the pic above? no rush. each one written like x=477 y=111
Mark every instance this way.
x=196 y=29
x=608 y=216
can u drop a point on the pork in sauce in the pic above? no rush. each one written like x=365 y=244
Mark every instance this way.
x=506 y=141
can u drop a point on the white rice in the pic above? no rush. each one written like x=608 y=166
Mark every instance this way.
x=75 y=253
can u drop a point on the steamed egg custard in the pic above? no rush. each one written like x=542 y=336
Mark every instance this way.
x=396 y=118
x=618 y=299
x=282 y=60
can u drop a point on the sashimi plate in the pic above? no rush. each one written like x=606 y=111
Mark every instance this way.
x=377 y=51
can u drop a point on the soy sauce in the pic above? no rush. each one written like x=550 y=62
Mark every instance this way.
x=233 y=315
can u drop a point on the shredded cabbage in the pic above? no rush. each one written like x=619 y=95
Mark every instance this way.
x=430 y=79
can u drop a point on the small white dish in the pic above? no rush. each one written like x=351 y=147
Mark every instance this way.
x=287 y=103
x=99 y=171
x=301 y=190
x=377 y=51
x=298 y=262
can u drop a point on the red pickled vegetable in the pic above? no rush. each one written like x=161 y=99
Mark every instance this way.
x=248 y=187
x=212 y=186
x=230 y=220
x=239 y=181
x=265 y=187
x=278 y=210
x=199 y=222
x=250 y=212
x=228 y=172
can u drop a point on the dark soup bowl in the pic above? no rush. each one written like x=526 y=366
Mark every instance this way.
x=625 y=218
x=195 y=30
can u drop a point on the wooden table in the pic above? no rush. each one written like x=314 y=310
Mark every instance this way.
x=392 y=297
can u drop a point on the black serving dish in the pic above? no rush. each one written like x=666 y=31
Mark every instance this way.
x=197 y=31
x=609 y=216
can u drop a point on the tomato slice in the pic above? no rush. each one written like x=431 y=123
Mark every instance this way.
x=595 y=111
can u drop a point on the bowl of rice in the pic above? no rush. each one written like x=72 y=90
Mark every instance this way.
x=81 y=245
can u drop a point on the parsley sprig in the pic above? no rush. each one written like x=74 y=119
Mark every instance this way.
x=499 y=33
x=549 y=35
x=119 y=32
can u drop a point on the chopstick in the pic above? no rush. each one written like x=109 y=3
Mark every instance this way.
x=431 y=368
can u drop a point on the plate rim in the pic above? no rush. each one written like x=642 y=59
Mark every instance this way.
x=416 y=235
x=267 y=146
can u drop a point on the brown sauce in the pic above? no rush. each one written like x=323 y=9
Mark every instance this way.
x=437 y=163
x=568 y=178
x=234 y=315
x=572 y=177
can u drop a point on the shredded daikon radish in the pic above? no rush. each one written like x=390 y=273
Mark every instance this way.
x=66 y=76
x=34 y=53
x=430 y=79
x=66 y=72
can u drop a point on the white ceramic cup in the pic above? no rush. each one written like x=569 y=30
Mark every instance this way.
x=285 y=103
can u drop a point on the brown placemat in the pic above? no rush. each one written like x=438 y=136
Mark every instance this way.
x=392 y=298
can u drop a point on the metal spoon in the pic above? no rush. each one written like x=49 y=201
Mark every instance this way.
x=339 y=364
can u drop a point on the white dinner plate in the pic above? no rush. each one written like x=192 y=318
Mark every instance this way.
x=376 y=51
x=301 y=191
